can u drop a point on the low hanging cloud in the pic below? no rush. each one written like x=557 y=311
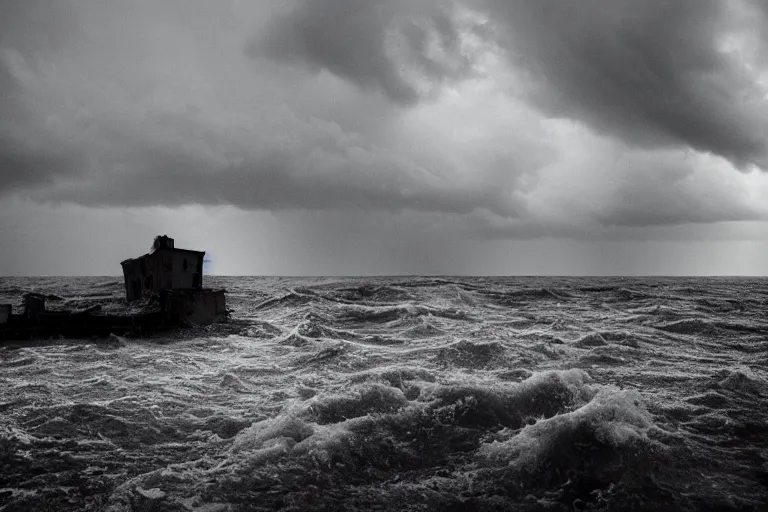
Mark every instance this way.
x=142 y=154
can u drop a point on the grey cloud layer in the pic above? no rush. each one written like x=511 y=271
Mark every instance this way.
x=143 y=111
x=353 y=39
x=140 y=155
x=648 y=71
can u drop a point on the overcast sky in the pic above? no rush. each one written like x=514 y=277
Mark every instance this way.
x=308 y=137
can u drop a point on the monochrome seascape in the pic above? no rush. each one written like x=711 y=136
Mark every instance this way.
x=399 y=393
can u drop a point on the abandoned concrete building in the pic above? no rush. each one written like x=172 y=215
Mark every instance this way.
x=173 y=280
x=163 y=268
x=176 y=277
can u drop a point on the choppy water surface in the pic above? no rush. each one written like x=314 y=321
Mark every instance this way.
x=401 y=394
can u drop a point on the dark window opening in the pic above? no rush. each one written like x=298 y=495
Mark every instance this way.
x=195 y=281
x=185 y=264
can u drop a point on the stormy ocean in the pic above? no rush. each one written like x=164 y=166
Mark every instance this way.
x=400 y=393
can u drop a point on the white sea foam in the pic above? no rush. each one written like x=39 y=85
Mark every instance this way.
x=437 y=393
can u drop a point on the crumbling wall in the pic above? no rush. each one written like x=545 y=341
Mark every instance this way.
x=143 y=276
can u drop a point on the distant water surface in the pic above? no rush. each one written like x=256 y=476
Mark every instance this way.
x=529 y=394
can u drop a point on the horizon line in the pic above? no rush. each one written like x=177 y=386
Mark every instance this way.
x=117 y=276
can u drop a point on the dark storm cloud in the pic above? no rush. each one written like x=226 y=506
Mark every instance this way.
x=652 y=72
x=30 y=168
x=29 y=156
x=277 y=181
x=368 y=42
x=108 y=152
x=649 y=71
x=139 y=110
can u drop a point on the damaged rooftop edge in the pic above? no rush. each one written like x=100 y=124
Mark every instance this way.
x=166 y=277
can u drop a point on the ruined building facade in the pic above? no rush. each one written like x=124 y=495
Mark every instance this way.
x=163 y=268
